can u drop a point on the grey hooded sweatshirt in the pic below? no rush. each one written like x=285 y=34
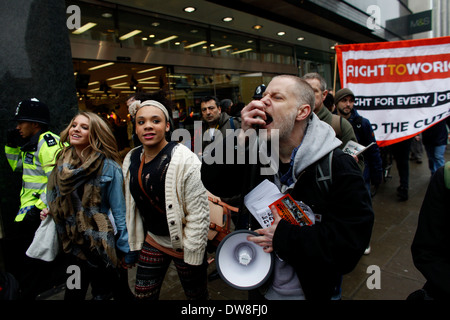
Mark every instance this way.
x=319 y=140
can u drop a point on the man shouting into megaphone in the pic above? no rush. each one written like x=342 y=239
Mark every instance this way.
x=310 y=260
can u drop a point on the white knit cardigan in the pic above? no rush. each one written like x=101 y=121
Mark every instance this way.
x=187 y=206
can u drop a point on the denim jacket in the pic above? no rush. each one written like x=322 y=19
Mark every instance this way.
x=113 y=201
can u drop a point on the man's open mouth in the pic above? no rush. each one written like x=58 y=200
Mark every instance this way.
x=269 y=119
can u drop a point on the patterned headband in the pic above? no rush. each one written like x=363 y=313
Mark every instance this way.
x=136 y=105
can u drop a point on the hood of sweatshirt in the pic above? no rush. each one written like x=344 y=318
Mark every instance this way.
x=318 y=141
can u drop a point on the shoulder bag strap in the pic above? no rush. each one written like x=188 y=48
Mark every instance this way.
x=142 y=187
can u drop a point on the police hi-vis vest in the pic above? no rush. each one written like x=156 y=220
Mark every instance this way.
x=35 y=160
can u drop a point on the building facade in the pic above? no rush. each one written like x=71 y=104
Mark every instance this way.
x=92 y=55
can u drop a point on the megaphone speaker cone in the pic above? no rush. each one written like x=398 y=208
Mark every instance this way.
x=243 y=264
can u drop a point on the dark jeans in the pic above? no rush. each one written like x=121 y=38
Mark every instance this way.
x=400 y=152
x=105 y=281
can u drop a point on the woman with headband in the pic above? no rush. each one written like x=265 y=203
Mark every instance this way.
x=167 y=206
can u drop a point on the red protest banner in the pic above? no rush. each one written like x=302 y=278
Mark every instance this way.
x=400 y=86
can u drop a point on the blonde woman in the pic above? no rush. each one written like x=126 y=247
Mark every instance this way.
x=167 y=206
x=85 y=185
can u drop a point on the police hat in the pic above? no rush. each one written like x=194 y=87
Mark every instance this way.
x=32 y=110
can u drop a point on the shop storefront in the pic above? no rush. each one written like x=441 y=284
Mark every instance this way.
x=119 y=51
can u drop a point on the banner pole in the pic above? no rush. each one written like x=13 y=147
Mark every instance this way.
x=335 y=68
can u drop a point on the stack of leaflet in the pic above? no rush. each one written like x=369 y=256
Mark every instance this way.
x=259 y=199
x=266 y=194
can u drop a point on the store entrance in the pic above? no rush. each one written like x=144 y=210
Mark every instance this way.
x=103 y=87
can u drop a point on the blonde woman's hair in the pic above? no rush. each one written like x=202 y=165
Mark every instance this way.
x=101 y=138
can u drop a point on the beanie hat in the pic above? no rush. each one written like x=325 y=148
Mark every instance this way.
x=341 y=94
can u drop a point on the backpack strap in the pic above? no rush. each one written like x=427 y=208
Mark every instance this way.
x=336 y=123
x=232 y=123
x=324 y=174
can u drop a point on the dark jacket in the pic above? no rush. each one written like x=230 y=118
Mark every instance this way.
x=224 y=123
x=431 y=245
x=373 y=169
x=333 y=246
x=343 y=129
x=436 y=135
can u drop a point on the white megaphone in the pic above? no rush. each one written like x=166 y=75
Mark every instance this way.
x=243 y=264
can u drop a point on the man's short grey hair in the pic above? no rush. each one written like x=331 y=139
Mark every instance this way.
x=315 y=75
x=304 y=92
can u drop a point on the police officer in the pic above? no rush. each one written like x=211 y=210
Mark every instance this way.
x=31 y=149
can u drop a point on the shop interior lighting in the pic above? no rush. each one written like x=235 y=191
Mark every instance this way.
x=118 y=77
x=166 y=39
x=151 y=69
x=148 y=78
x=101 y=66
x=189 y=9
x=118 y=84
x=227 y=19
x=84 y=28
x=222 y=47
x=195 y=44
x=300 y=38
x=242 y=51
x=130 y=34
x=281 y=33
x=257 y=26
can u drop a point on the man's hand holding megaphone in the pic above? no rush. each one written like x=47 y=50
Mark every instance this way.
x=266 y=235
